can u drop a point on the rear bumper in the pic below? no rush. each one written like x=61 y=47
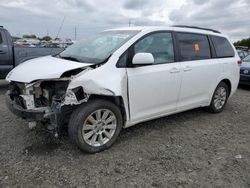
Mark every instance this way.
x=30 y=115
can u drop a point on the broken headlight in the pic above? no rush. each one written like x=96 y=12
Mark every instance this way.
x=49 y=91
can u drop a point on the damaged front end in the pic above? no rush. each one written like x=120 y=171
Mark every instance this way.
x=47 y=101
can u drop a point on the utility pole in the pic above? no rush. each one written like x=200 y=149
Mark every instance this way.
x=129 y=23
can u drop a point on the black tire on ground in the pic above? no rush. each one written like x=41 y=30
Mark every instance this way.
x=78 y=118
x=212 y=107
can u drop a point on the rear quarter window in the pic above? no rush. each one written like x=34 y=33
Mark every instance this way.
x=222 y=46
x=193 y=46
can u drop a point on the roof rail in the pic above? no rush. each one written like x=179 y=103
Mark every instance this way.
x=195 y=27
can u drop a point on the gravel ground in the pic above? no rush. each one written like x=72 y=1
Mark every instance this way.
x=191 y=149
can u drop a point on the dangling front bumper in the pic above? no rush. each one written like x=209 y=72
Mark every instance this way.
x=30 y=115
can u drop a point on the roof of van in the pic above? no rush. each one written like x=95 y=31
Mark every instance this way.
x=181 y=28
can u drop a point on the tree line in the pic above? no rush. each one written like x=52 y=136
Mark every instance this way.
x=243 y=42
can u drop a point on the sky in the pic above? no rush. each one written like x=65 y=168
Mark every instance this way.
x=42 y=17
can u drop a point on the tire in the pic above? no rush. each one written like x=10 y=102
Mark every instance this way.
x=104 y=131
x=219 y=98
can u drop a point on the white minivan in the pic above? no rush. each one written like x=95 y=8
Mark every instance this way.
x=121 y=77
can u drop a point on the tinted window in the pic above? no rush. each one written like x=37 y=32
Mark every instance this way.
x=193 y=47
x=222 y=47
x=160 y=45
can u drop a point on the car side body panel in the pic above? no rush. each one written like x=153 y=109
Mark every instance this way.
x=153 y=90
x=198 y=78
x=190 y=89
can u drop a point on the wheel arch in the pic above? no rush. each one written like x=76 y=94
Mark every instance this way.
x=227 y=82
x=229 y=85
x=117 y=100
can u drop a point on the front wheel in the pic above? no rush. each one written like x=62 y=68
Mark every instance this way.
x=219 y=98
x=95 y=125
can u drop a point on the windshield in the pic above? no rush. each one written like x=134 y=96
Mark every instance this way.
x=247 y=59
x=97 y=48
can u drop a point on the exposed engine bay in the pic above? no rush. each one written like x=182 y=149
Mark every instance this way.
x=43 y=94
x=49 y=96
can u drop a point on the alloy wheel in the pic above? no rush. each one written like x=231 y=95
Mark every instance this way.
x=99 y=127
x=220 y=98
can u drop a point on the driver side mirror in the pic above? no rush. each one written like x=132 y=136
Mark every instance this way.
x=143 y=59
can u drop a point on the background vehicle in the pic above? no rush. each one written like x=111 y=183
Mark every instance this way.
x=122 y=77
x=10 y=56
x=243 y=48
x=245 y=71
x=242 y=53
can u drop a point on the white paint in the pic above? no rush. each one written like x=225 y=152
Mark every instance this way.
x=42 y=68
x=153 y=90
x=143 y=58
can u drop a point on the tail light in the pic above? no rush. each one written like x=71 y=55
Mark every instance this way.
x=239 y=62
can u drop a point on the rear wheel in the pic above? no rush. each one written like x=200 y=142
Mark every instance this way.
x=219 y=98
x=95 y=125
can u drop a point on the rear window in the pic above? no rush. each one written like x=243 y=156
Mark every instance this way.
x=222 y=47
x=193 y=46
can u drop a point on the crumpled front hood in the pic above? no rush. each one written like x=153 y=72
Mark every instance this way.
x=47 y=67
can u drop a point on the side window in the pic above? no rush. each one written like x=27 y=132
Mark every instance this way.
x=160 y=45
x=193 y=46
x=222 y=47
x=1 y=40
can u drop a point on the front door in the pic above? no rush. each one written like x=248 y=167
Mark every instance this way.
x=153 y=90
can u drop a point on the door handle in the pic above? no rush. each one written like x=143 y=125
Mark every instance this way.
x=2 y=52
x=187 y=68
x=174 y=70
